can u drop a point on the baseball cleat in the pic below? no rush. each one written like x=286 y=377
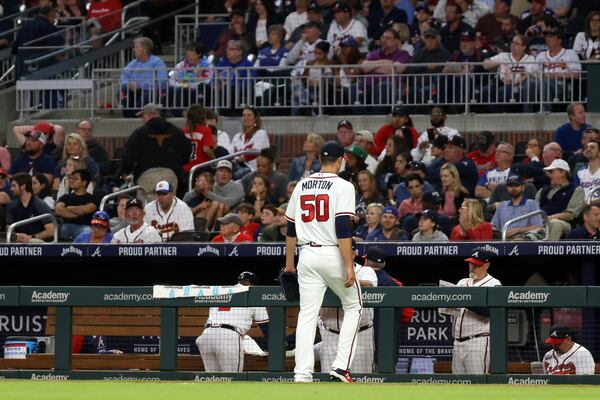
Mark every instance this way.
x=339 y=375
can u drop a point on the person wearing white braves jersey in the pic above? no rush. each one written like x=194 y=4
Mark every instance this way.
x=471 y=326
x=167 y=213
x=566 y=356
x=589 y=177
x=137 y=231
x=319 y=220
x=345 y=27
x=331 y=320
x=221 y=343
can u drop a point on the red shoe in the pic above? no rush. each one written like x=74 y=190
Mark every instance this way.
x=339 y=375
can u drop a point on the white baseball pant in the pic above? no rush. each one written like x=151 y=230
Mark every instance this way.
x=471 y=356
x=221 y=350
x=365 y=350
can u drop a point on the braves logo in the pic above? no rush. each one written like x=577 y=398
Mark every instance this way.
x=561 y=369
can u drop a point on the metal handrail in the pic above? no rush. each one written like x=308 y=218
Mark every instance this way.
x=251 y=152
x=120 y=192
x=27 y=221
x=131 y=21
x=527 y=216
x=592 y=192
x=17 y=14
x=8 y=72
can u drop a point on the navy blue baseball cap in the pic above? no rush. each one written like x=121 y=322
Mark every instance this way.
x=376 y=254
x=480 y=256
x=514 y=179
x=558 y=334
x=134 y=203
x=332 y=149
x=390 y=210
x=248 y=276
x=429 y=214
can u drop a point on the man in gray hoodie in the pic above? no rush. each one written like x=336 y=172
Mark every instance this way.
x=226 y=193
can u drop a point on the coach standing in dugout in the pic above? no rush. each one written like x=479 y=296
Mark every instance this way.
x=471 y=326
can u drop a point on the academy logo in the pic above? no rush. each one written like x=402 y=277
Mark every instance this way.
x=373 y=298
x=527 y=297
x=527 y=381
x=213 y=378
x=71 y=250
x=49 y=297
x=49 y=377
x=208 y=249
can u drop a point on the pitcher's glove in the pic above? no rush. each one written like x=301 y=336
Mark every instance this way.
x=289 y=285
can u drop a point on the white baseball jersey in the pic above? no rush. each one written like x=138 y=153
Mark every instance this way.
x=586 y=47
x=258 y=141
x=144 y=234
x=565 y=60
x=178 y=218
x=577 y=361
x=424 y=154
x=355 y=29
x=240 y=317
x=467 y=323
x=510 y=69
x=589 y=181
x=332 y=317
x=314 y=205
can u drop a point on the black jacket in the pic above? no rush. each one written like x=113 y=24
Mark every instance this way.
x=158 y=143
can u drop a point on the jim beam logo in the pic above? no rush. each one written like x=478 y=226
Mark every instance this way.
x=49 y=297
x=527 y=297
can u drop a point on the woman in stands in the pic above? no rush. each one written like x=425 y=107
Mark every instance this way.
x=42 y=189
x=372 y=222
x=305 y=165
x=534 y=151
x=587 y=43
x=471 y=225
x=259 y=193
x=76 y=148
x=366 y=193
x=187 y=79
x=453 y=192
x=262 y=16
x=73 y=164
x=394 y=145
x=252 y=137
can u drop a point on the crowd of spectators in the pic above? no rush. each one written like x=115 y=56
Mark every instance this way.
x=431 y=186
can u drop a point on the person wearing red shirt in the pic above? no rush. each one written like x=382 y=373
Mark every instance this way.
x=107 y=13
x=485 y=155
x=230 y=230
x=200 y=135
x=471 y=225
x=401 y=125
x=246 y=212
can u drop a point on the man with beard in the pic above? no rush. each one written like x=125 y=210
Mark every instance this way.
x=566 y=356
x=388 y=230
x=589 y=177
x=138 y=231
x=34 y=160
x=515 y=207
x=438 y=123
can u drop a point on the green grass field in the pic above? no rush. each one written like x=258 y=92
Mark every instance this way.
x=96 y=390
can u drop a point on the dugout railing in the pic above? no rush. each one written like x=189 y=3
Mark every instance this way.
x=498 y=300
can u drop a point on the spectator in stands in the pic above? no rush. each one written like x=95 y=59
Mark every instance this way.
x=428 y=228
x=188 y=79
x=156 y=144
x=355 y=157
x=34 y=160
x=100 y=232
x=414 y=204
x=233 y=71
x=237 y=32
x=587 y=43
x=42 y=30
x=589 y=176
x=561 y=67
x=267 y=218
x=387 y=166
x=569 y=135
x=259 y=194
x=578 y=158
x=252 y=137
x=290 y=189
x=533 y=171
x=303 y=50
x=453 y=192
x=503 y=42
x=345 y=133
x=490 y=26
x=431 y=201
x=305 y=165
x=498 y=175
x=5 y=194
x=120 y=221
x=262 y=15
x=95 y=150
x=344 y=26
x=196 y=198
x=536 y=34
x=364 y=139
x=384 y=17
x=580 y=10
x=398 y=177
x=517 y=206
x=226 y=193
x=55 y=135
x=516 y=75
x=372 y=222
x=401 y=125
x=137 y=231
x=534 y=150
x=313 y=14
x=471 y=224
x=536 y=10
x=591 y=224
x=168 y=214
x=25 y=205
x=452 y=32
x=221 y=138
x=75 y=148
x=265 y=165
x=4 y=158
x=389 y=229
x=348 y=83
x=366 y=193
x=276 y=231
x=309 y=89
x=107 y=13
x=247 y=214
x=471 y=10
x=230 y=230
x=455 y=154
x=402 y=193
x=61 y=185
x=200 y=135
x=272 y=53
x=561 y=199
x=296 y=18
x=76 y=208
x=484 y=155
x=144 y=78
x=422 y=151
x=40 y=188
